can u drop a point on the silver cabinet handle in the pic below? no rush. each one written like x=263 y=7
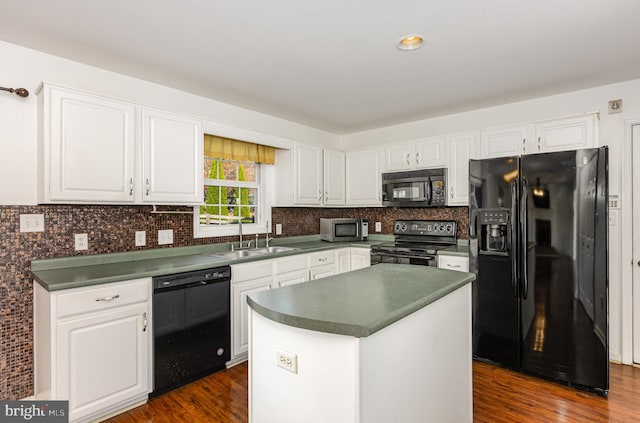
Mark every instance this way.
x=455 y=266
x=524 y=145
x=144 y=322
x=147 y=186
x=111 y=298
x=538 y=143
x=319 y=195
x=418 y=158
x=323 y=259
x=326 y=196
x=408 y=158
x=451 y=191
x=130 y=187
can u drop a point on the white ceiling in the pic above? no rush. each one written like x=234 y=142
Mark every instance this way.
x=333 y=64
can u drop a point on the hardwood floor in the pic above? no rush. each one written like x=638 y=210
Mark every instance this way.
x=499 y=396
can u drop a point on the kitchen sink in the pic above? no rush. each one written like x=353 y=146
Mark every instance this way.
x=272 y=250
x=253 y=252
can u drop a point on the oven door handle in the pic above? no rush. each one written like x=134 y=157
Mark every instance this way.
x=380 y=253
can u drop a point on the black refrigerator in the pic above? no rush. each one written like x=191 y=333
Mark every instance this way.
x=538 y=237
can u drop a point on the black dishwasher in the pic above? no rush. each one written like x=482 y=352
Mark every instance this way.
x=191 y=326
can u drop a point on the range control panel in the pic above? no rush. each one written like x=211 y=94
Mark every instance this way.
x=425 y=227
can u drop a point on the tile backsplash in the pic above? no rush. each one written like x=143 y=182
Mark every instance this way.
x=306 y=220
x=111 y=229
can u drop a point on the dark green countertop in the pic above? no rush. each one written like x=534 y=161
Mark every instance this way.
x=358 y=303
x=73 y=272
x=462 y=249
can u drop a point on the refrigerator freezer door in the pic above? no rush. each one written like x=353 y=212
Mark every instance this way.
x=493 y=217
x=563 y=239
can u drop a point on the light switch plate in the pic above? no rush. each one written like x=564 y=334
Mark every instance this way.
x=165 y=236
x=141 y=238
x=378 y=226
x=32 y=223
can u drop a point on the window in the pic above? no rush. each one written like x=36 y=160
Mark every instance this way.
x=231 y=192
x=234 y=189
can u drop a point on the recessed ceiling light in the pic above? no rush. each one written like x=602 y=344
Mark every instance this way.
x=411 y=42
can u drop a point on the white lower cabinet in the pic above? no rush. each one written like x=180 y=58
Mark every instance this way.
x=240 y=312
x=290 y=270
x=92 y=347
x=360 y=258
x=343 y=260
x=320 y=272
x=459 y=263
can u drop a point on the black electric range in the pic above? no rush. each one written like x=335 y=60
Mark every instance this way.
x=416 y=242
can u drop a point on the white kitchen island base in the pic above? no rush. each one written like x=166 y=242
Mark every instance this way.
x=417 y=369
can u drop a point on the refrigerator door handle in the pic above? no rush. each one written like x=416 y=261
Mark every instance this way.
x=514 y=242
x=524 y=236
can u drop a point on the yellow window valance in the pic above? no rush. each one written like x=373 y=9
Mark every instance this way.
x=230 y=149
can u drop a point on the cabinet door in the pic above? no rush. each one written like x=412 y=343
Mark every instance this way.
x=88 y=148
x=462 y=147
x=360 y=258
x=458 y=263
x=307 y=177
x=240 y=312
x=431 y=152
x=399 y=157
x=102 y=359
x=334 y=178
x=363 y=178
x=503 y=142
x=292 y=278
x=564 y=134
x=343 y=262
x=172 y=151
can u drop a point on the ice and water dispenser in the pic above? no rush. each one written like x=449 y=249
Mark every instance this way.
x=494 y=230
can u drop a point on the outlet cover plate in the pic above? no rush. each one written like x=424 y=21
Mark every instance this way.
x=82 y=242
x=287 y=361
x=378 y=226
x=278 y=228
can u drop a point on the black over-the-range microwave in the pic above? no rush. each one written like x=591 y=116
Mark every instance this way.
x=416 y=188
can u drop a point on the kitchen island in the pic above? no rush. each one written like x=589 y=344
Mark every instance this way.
x=387 y=343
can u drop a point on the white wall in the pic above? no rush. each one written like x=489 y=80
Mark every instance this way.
x=26 y=68
x=610 y=132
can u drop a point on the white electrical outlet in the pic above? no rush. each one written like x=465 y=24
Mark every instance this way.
x=32 y=223
x=278 y=228
x=378 y=226
x=287 y=361
x=165 y=236
x=82 y=242
x=141 y=238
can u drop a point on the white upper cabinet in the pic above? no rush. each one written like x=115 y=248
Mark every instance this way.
x=310 y=175
x=462 y=147
x=503 y=142
x=86 y=148
x=95 y=149
x=363 y=178
x=418 y=154
x=564 y=134
x=334 y=178
x=172 y=147
x=399 y=156
x=540 y=137
x=307 y=179
x=431 y=152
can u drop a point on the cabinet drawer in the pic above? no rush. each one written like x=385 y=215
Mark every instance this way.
x=458 y=263
x=101 y=297
x=250 y=271
x=321 y=258
x=291 y=264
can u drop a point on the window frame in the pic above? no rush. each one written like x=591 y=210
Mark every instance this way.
x=264 y=175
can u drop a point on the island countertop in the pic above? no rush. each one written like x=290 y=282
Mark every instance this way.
x=358 y=303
